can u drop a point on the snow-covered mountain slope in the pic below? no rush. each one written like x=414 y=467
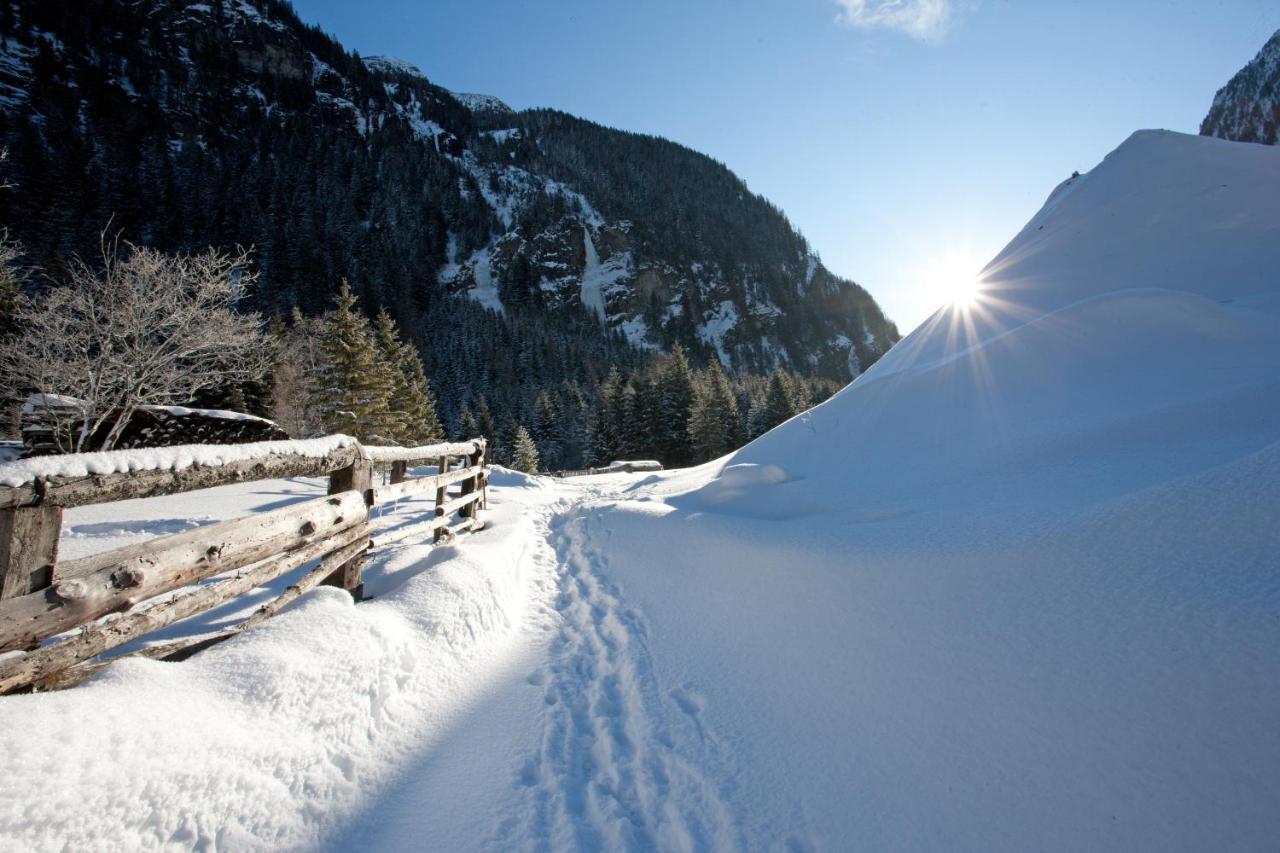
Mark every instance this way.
x=1247 y=109
x=1017 y=587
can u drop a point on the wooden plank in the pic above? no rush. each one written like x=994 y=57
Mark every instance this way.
x=417 y=485
x=19 y=671
x=418 y=454
x=28 y=548
x=104 y=488
x=187 y=646
x=114 y=581
x=381 y=538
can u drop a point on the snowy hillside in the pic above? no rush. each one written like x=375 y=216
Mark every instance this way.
x=1247 y=109
x=1016 y=588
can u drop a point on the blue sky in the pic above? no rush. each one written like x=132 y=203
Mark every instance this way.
x=907 y=139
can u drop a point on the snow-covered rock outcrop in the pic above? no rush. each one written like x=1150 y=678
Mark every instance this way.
x=1247 y=109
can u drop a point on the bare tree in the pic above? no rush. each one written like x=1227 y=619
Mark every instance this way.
x=143 y=329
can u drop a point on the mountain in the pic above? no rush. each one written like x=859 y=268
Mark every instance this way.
x=520 y=249
x=1247 y=109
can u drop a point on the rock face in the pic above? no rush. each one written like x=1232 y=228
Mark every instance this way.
x=1247 y=109
x=519 y=250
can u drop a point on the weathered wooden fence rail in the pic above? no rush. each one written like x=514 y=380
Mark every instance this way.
x=42 y=597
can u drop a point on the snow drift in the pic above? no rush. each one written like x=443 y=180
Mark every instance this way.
x=1017 y=587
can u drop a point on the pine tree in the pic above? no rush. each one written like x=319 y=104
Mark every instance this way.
x=675 y=402
x=605 y=438
x=713 y=423
x=780 y=403
x=354 y=385
x=413 y=410
x=524 y=456
x=547 y=432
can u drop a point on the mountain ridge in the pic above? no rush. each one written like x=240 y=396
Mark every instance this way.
x=695 y=259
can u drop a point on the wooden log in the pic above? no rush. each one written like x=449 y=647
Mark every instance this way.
x=419 y=454
x=20 y=671
x=187 y=646
x=417 y=485
x=94 y=586
x=104 y=488
x=399 y=469
x=357 y=477
x=382 y=538
x=28 y=548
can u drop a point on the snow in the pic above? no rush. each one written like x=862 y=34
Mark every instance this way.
x=502 y=136
x=485 y=290
x=719 y=323
x=72 y=465
x=481 y=103
x=391 y=65
x=1014 y=588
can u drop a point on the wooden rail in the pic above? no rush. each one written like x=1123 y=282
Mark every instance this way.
x=155 y=583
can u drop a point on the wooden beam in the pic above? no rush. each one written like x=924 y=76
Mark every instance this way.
x=104 y=488
x=187 y=646
x=419 y=454
x=28 y=548
x=417 y=485
x=115 y=581
x=382 y=538
x=19 y=671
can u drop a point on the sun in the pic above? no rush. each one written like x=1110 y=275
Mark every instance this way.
x=955 y=279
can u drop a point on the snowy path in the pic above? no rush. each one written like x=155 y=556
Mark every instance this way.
x=609 y=773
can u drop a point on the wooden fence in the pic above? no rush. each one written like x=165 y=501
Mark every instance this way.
x=42 y=597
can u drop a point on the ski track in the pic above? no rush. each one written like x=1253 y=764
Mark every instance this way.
x=616 y=767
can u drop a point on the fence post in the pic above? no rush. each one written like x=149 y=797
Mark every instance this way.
x=356 y=477
x=399 y=469
x=472 y=484
x=441 y=497
x=28 y=548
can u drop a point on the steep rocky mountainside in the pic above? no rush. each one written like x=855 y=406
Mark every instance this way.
x=518 y=248
x=1247 y=109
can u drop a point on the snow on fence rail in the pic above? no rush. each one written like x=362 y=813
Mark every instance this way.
x=41 y=598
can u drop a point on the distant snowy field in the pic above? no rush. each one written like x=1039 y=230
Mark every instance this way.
x=1016 y=588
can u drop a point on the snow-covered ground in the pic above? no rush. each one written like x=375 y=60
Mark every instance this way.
x=1015 y=588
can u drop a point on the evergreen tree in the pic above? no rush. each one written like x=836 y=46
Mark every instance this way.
x=675 y=403
x=413 y=410
x=713 y=423
x=605 y=436
x=547 y=432
x=524 y=455
x=780 y=403
x=354 y=385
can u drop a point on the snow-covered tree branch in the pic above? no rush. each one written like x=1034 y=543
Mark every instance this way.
x=143 y=328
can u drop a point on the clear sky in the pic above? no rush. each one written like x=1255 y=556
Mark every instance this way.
x=907 y=139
